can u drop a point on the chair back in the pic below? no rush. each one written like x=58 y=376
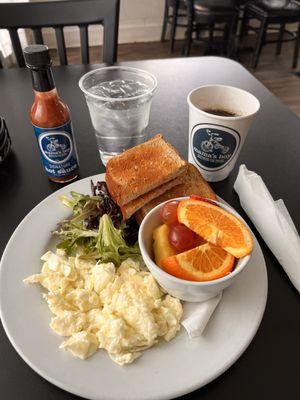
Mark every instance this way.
x=179 y=4
x=57 y=15
x=217 y=4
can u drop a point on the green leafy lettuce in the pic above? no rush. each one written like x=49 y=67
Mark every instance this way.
x=105 y=244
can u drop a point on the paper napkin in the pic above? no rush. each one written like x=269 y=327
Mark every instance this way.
x=197 y=315
x=272 y=220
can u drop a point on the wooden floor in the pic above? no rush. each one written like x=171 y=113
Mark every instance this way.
x=274 y=72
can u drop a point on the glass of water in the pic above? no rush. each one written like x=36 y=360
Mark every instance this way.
x=119 y=101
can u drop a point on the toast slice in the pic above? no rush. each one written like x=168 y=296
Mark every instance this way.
x=142 y=169
x=194 y=183
x=130 y=208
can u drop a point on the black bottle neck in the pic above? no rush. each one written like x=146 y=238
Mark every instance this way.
x=42 y=79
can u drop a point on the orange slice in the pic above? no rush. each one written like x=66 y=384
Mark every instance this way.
x=216 y=225
x=203 y=263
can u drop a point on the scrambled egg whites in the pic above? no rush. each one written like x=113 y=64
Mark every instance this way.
x=96 y=306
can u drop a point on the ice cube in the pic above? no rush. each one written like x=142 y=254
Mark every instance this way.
x=120 y=88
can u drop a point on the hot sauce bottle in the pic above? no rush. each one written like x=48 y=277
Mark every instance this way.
x=50 y=118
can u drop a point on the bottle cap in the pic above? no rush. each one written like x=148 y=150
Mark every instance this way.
x=37 y=56
x=37 y=59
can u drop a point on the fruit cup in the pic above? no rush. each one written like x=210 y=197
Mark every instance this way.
x=184 y=289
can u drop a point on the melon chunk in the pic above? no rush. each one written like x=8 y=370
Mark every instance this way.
x=161 y=245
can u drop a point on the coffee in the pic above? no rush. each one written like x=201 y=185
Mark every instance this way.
x=219 y=119
x=221 y=112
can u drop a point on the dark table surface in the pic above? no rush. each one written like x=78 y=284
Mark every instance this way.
x=269 y=368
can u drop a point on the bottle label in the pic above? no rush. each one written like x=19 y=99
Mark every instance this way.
x=213 y=146
x=57 y=150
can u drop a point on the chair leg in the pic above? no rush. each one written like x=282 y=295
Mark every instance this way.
x=259 y=43
x=188 y=40
x=225 y=39
x=231 y=37
x=183 y=47
x=197 y=32
x=280 y=38
x=165 y=22
x=173 y=28
x=296 y=48
x=211 y=36
x=244 y=26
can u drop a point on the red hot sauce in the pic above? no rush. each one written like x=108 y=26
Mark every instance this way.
x=51 y=119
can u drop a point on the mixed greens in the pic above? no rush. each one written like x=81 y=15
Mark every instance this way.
x=96 y=229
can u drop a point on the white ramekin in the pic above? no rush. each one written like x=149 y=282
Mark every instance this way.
x=183 y=289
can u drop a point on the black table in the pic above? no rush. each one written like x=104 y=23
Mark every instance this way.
x=270 y=366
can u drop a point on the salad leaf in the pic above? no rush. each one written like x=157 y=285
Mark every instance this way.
x=96 y=229
x=75 y=239
x=86 y=209
x=111 y=245
x=106 y=244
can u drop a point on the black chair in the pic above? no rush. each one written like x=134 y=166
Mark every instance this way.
x=178 y=10
x=58 y=14
x=272 y=12
x=204 y=15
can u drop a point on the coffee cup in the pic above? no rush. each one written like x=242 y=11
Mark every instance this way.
x=219 y=119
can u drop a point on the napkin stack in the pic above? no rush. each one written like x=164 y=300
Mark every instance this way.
x=272 y=220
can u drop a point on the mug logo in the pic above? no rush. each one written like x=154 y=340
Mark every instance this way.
x=213 y=146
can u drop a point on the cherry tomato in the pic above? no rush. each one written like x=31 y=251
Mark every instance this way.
x=168 y=213
x=182 y=238
x=196 y=197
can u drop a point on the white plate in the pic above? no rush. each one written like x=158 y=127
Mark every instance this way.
x=163 y=372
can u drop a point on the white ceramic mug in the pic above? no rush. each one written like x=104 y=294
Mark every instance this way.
x=215 y=141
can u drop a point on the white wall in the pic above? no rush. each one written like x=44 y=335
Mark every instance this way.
x=140 y=21
x=6 y=54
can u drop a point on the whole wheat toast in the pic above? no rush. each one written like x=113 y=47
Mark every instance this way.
x=130 y=208
x=142 y=169
x=193 y=183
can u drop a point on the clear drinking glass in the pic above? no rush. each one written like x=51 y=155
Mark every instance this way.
x=119 y=101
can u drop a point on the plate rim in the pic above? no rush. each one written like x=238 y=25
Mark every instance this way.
x=67 y=388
